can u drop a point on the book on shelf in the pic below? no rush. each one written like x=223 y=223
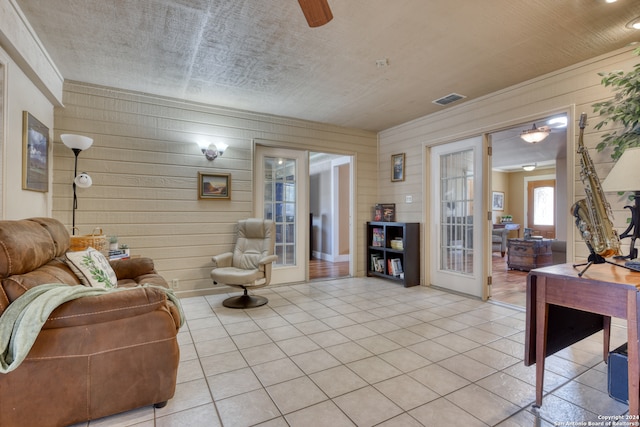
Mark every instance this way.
x=396 y=267
x=378 y=237
x=380 y=265
x=374 y=262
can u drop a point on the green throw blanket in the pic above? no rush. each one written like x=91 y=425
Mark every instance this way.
x=22 y=321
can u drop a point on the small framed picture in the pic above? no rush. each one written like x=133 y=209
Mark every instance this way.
x=497 y=201
x=214 y=185
x=35 y=154
x=397 y=167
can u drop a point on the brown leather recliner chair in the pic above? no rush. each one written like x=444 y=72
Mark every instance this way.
x=95 y=356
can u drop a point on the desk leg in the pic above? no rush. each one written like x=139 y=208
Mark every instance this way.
x=542 y=314
x=633 y=351
x=606 y=329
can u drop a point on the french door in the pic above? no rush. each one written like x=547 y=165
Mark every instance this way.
x=280 y=181
x=457 y=204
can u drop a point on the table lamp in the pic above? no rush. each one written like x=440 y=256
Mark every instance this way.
x=624 y=177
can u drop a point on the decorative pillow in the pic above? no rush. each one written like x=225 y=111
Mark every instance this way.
x=92 y=268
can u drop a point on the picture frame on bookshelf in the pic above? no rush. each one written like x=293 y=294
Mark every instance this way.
x=385 y=212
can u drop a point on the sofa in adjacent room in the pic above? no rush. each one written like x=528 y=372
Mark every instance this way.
x=95 y=355
x=499 y=240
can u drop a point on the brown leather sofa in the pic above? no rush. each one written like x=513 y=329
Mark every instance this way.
x=95 y=356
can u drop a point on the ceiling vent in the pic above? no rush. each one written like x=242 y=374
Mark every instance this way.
x=452 y=97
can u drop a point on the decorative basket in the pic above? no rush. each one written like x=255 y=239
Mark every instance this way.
x=96 y=240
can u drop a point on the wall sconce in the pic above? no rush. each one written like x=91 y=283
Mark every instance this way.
x=77 y=143
x=535 y=134
x=213 y=151
x=529 y=168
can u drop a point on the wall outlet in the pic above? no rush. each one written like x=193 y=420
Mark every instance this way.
x=175 y=284
x=408 y=199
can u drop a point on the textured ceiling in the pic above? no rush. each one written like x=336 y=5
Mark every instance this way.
x=260 y=55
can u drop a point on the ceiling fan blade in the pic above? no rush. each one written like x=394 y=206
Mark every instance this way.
x=317 y=12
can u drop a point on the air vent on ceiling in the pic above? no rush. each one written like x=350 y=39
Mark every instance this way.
x=452 y=97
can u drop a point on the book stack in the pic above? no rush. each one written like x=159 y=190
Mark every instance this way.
x=117 y=254
x=397 y=244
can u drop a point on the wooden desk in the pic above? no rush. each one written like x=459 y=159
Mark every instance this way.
x=563 y=308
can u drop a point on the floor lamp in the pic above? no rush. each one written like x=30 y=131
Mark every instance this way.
x=624 y=177
x=77 y=143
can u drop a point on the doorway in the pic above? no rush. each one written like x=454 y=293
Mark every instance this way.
x=544 y=183
x=291 y=185
x=330 y=207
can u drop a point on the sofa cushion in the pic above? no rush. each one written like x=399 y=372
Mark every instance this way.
x=92 y=268
x=24 y=246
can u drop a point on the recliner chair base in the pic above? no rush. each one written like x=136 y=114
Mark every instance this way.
x=245 y=301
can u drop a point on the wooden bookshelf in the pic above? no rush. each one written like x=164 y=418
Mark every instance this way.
x=391 y=245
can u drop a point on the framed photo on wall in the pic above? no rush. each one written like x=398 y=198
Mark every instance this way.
x=397 y=167
x=35 y=154
x=214 y=185
x=497 y=201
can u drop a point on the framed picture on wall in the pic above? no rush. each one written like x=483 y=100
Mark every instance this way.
x=35 y=154
x=497 y=201
x=397 y=167
x=214 y=185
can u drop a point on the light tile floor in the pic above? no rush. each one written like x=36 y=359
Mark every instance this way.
x=367 y=352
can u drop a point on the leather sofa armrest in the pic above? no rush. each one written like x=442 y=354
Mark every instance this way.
x=133 y=267
x=111 y=306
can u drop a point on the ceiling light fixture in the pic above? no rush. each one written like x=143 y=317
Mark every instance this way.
x=535 y=134
x=529 y=168
x=634 y=24
x=213 y=151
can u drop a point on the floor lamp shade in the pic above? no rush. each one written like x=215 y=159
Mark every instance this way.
x=624 y=175
x=76 y=142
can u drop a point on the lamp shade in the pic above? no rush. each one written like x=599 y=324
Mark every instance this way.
x=77 y=142
x=83 y=180
x=624 y=176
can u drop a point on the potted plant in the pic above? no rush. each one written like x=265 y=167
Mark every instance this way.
x=113 y=243
x=623 y=109
x=124 y=248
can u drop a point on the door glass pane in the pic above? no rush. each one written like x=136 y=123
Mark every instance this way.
x=543 y=209
x=280 y=205
x=456 y=212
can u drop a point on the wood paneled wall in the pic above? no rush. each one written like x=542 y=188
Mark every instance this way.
x=573 y=89
x=145 y=161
